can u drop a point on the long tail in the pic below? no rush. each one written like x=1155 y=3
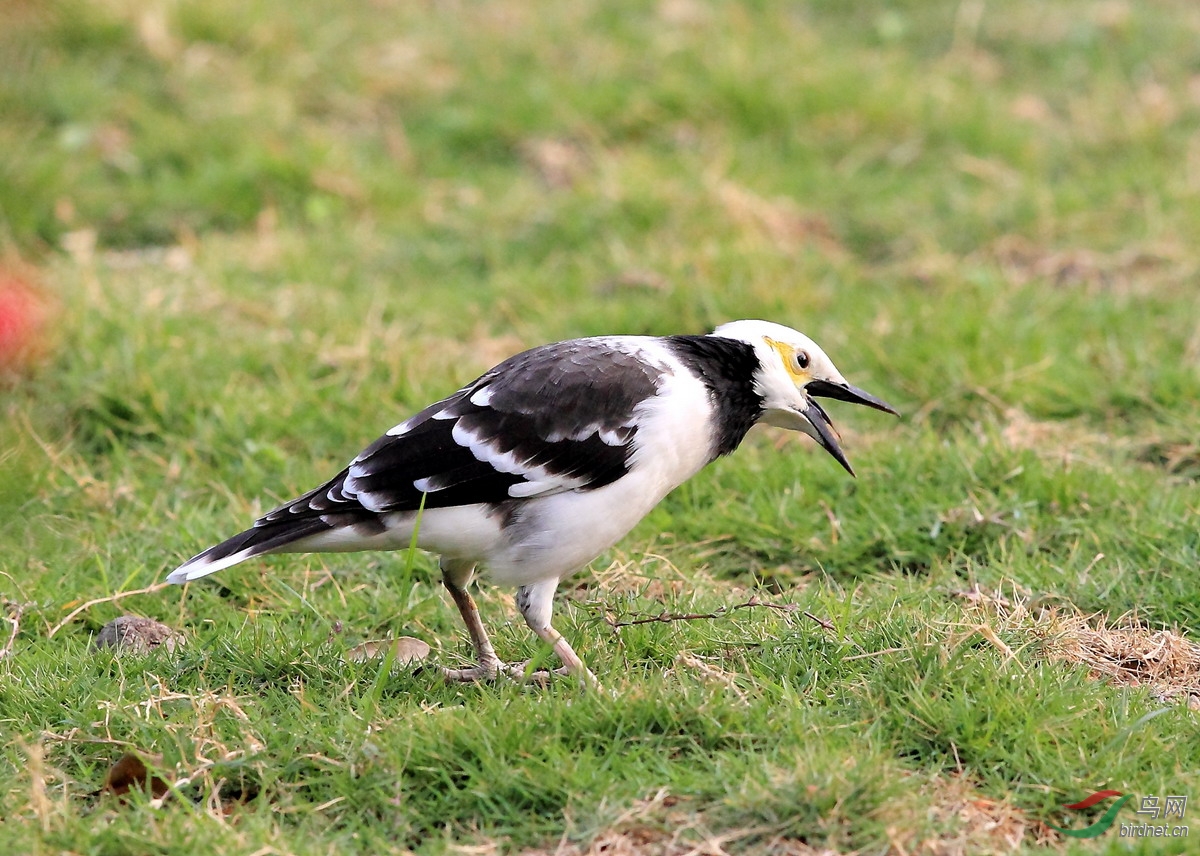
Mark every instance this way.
x=257 y=541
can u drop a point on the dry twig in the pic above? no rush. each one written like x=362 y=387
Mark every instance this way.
x=669 y=617
x=113 y=597
x=825 y=623
x=15 y=610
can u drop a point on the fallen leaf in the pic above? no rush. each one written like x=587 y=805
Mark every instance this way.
x=408 y=650
x=130 y=772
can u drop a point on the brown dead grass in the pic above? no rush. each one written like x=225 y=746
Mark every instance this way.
x=1123 y=651
x=1131 y=655
x=1134 y=271
x=1071 y=442
x=558 y=163
x=647 y=575
x=1178 y=458
x=1057 y=439
x=777 y=220
x=664 y=825
x=970 y=823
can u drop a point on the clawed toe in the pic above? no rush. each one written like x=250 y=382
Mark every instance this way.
x=543 y=676
x=492 y=671
x=516 y=671
x=473 y=674
x=520 y=672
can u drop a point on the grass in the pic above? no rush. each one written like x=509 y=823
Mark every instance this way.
x=271 y=231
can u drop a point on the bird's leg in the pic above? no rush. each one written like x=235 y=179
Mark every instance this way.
x=456 y=576
x=536 y=603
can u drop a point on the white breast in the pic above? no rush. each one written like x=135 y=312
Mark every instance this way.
x=561 y=533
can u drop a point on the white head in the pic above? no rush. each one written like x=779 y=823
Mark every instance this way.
x=793 y=370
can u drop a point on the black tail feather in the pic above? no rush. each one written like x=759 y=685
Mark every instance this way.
x=255 y=541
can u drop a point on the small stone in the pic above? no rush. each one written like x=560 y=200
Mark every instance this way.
x=132 y=634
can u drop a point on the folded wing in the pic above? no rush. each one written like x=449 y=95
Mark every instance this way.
x=560 y=417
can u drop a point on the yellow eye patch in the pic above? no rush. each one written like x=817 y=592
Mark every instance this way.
x=788 y=354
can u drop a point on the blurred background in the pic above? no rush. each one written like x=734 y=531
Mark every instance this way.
x=488 y=149
x=240 y=238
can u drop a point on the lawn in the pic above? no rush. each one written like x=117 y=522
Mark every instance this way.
x=262 y=233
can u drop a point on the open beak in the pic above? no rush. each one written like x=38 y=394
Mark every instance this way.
x=822 y=429
x=846 y=392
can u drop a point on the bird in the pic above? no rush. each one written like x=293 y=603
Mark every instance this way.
x=535 y=468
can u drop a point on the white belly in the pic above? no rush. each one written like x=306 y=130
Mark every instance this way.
x=560 y=533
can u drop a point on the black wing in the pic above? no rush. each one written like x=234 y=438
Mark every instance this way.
x=555 y=418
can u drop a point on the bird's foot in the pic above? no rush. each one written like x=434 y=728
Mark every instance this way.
x=488 y=669
x=520 y=671
x=469 y=676
x=490 y=672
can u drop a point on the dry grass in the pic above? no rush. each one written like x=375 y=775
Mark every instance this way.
x=666 y=825
x=1129 y=654
x=1132 y=271
x=1122 y=651
x=968 y=823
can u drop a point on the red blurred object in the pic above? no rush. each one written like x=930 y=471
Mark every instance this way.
x=22 y=321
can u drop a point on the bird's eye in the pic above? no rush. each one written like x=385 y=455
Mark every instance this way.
x=801 y=360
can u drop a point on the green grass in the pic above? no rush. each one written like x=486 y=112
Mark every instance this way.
x=273 y=230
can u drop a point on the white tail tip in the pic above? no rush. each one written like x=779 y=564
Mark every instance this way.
x=195 y=568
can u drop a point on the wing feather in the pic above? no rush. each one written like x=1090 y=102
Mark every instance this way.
x=556 y=418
